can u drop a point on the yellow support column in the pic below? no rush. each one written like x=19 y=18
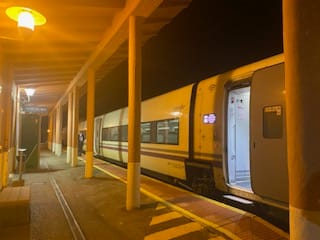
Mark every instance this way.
x=13 y=128
x=3 y=115
x=75 y=124
x=2 y=129
x=90 y=122
x=134 y=115
x=50 y=132
x=69 y=127
x=53 y=131
x=7 y=99
x=58 y=145
x=302 y=63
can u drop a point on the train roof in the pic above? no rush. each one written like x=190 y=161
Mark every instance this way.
x=246 y=71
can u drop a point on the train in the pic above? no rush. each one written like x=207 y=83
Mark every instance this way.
x=225 y=134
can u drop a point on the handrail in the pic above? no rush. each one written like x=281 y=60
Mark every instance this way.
x=31 y=152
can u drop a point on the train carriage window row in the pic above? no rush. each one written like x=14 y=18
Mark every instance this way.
x=161 y=132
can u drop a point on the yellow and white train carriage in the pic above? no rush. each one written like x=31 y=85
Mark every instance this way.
x=164 y=134
x=223 y=133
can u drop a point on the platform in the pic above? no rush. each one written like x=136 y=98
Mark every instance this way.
x=97 y=209
x=232 y=222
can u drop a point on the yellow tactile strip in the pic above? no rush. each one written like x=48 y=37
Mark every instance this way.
x=232 y=222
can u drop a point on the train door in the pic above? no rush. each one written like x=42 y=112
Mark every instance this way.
x=269 y=171
x=238 y=162
x=97 y=131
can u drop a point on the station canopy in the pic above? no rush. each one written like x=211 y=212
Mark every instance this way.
x=77 y=34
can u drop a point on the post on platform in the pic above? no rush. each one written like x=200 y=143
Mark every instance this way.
x=90 y=122
x=134 y=114
x=69 y=127
x=75 y=124
x=302 y=62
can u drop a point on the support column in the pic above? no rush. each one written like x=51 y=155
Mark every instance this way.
x=2 y=121
x=13 y=130
x=75 y=124
x=69 y=129
x=7 y=100
x=134 y=114
x=50 y=130
x=58 y=145
x=90 y=122
x=53 y=131
x=302 y=63
x=5 y=120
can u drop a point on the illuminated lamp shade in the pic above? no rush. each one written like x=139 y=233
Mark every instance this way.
x=26 y=17
x=29 y=91
x=26 y=20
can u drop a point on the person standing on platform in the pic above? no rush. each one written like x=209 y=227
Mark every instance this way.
x=80 y=143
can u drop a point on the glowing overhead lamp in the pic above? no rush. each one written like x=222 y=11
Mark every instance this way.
x=26 y=17
x=26 y=20
x=29 y=91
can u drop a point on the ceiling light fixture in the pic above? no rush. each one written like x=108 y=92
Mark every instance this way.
x=26 y=20
x=26 y=17
x=29 y=91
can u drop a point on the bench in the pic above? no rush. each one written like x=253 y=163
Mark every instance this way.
x=14 y=206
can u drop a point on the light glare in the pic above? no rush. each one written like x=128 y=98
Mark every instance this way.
x=26 y=20
x=29 y=91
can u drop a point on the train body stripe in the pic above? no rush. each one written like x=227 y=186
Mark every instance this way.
x=215 y=156
x=216 y=162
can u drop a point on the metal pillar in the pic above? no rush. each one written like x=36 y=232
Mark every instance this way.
x=302 y=63
x=134 y=115
x=90 y=122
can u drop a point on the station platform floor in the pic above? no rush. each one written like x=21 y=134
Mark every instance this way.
x=65 y=205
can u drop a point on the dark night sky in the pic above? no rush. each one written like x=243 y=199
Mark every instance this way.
x=209 y=37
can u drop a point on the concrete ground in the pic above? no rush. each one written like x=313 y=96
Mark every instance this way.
x=97 y=204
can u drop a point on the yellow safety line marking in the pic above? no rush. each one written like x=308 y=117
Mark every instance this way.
x=175 y=231
x=165 y=217
x=191 y=215
x=160 y=206
x=179 y=209
x=110 y=174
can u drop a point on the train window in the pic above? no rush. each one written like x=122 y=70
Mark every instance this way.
x=272 y=121
x=123 y=133
x=146 y=132
x=168 y=131
x=110 y=134
x=104 y=134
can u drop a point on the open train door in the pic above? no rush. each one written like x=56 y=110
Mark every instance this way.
x=238 y=122
x=268 y=158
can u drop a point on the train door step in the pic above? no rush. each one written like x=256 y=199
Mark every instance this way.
x=238 y=199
